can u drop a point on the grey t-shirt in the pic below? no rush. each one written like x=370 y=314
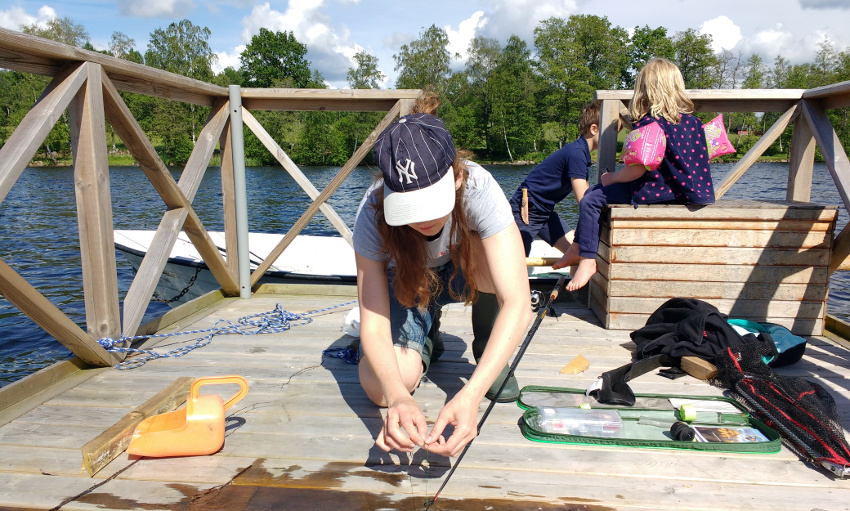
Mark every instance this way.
x=487 y=213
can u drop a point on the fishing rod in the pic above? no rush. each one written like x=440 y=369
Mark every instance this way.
x=541 y=313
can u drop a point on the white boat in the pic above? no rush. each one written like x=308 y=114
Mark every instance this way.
x=308 y=259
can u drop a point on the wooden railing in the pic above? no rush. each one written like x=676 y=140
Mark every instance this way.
x=87 y=85
x=804 y=109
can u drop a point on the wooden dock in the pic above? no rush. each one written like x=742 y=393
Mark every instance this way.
x=303 y=437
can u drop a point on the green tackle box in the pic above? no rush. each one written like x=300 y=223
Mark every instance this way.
x=564 y=415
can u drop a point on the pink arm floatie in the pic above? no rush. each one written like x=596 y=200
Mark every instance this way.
x=645 y=146
x=716 y=139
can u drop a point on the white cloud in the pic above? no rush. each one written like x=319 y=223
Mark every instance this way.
x=725 y=34
x=156 y=8
x=328 y=47
x=521 y=17
x=395 y=40
x=16 y=17
x=459 y=39
x=228 y=59
x=797 y=48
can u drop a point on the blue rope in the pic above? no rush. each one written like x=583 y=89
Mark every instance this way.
x=274 y=321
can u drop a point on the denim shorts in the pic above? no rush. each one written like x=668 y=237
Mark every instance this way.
x=409 y=327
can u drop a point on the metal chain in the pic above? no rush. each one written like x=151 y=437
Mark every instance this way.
x=183 y=292
x=274 y=321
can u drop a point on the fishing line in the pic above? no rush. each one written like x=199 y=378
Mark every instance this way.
x=541 y=313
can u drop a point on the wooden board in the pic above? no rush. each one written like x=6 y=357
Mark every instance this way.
x=763 y=261
x=100 y=451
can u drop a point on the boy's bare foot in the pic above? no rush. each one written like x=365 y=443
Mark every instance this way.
x=586 y=269
x=571 y=258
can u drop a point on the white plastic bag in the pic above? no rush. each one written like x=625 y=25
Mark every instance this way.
x=351 y=323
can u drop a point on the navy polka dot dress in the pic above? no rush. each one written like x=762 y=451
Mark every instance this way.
x=684 y=175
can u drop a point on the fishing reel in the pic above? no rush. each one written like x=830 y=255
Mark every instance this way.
x=537 y=300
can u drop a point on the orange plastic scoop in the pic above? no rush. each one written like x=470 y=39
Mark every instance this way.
x=196 y=429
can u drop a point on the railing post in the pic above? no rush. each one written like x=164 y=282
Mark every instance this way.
x=94 y=207
x=237 y=149
x=802 y=156
x=609 y=121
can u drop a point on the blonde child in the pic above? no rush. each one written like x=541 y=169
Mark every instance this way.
x=681 y=175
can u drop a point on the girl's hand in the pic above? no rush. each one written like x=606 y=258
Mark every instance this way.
x=404 y=426
x=462 y=413
x=606 y=179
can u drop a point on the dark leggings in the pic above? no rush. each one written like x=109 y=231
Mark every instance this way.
x=590 y=211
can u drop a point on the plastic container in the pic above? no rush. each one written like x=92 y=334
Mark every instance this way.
x=580 y=421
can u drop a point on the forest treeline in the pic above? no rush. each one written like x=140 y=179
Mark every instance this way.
x=509 y=102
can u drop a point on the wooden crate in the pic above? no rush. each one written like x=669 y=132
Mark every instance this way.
x=766 y=261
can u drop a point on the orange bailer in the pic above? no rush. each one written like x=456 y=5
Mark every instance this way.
x=196 y=429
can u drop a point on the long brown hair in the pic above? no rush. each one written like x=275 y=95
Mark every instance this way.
x=414 y=282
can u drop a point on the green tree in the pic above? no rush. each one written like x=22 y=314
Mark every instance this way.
x=354 y=127
x=275 y=59
x=756 y=73
x=787 y=76
x=228 y=76
x=695 y=58
x=457 y=112
x=182 y=48
x=425 y=61
x=644 y=44
x=514 y=106
x=575 y=58
x=727 y=69
x=823 y=71
x=484 y=55
x=62 y=30
x=121 y=45
x=65 y=31
x=366 y=74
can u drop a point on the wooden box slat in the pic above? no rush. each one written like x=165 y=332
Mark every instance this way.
x=763 y=261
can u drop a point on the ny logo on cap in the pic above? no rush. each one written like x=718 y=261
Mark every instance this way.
x=407 y=170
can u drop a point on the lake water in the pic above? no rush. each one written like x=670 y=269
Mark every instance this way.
x=38 y=224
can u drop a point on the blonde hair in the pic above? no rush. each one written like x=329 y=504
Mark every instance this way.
x=660 y=92
x=414 y=283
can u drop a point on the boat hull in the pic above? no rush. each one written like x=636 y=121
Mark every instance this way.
x=308 y=259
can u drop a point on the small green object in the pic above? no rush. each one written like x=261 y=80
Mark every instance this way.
x=585 y=406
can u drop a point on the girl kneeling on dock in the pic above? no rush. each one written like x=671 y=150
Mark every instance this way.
x=666 y=160
x=435 y=229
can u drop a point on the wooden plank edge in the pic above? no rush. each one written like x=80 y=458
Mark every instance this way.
x=31 y=391
x=346 y=290
x=837 y=330
x=104 y=448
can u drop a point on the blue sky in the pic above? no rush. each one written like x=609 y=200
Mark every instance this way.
x=334 y=30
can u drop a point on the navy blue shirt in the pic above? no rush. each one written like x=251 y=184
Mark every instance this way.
x=549 y=183
x=684 y=174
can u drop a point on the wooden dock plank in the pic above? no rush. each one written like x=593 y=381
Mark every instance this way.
x=306 y=431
